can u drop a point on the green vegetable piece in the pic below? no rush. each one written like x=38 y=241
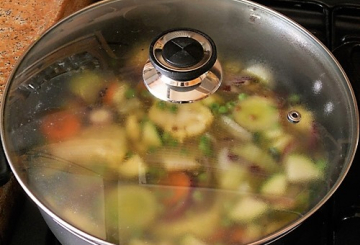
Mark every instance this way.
x=192 y=240
x=223 y=109
x=133 y=167
x=301 y=169
x=256 y=156
x=205 y=145
x=242 y=96
x=275 y=185
x=169 y=140
x=87 y=85
x=173 y=108
x=294 y=99
x=256 y=113
x=233 y=177
x=214 y=107
x=201 y=224
x=230 y=105
x=150 y=135
x=275 y=153
x=161 y=105
x=137 y=207
x=321 y=164
x=130 y=93
x=248 y=209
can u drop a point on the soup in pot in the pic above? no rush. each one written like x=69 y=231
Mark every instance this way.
x=115 y=162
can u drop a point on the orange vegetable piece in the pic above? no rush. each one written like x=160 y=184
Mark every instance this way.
x=237 y=235
x=181 y=183
x=60 y=125
x=108 y=97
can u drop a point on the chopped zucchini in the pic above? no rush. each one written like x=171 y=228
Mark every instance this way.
x=232 y=66
x=87 y=86
x=192 y=240
x=174 y=159
x=143 y=134
x=235 y=129
x=247 y=209
x=256 y=113
x=261 y=72
x=256 y=156
x=133 y=167
x=282 y=143
x=200 y=224
x=301 y=169
x=137 y=207
x=275 y=185
x=214 y=98
x=232 y=177
x=130 y=106
x=252 y=233
x=150 y=135
x=137 y=241
x=133 y=128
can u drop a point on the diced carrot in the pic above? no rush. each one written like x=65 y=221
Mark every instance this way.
x=180 y=182
x=108 y=97
x=236 y=235
x=60 y=125
x=219 y=235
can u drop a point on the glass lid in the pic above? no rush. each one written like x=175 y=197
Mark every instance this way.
x=179 y=122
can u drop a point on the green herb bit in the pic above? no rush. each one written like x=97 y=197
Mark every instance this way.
x=214 y=107
x=226 y=222
x=173 y=108
x=274 y=152
x=166 y=136
x=161 y=105
x=257 y=137
x=143 y=121
x=230 y=105
x=169 y=140
x=223 y=109
x=130 y=93
x=294 y=99
x=184 y=151
x=203 y=177
x=129 y=154
x=138 y=233
x=154 y=173
x=205 y=145
x=242 y=96
x=198 y=196
x=145 y=93
x=152 y=149
x=321 y=164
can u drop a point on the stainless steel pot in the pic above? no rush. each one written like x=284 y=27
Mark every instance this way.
x=273 y=123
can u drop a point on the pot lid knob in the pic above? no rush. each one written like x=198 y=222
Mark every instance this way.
x=183 y=52
x=182 y=66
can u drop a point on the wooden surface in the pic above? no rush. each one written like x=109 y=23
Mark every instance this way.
x=21 y=23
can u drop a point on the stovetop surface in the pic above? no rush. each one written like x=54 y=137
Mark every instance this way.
x=336 y=23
